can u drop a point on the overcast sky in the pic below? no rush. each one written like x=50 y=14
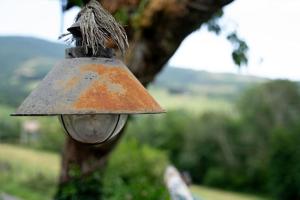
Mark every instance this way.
x=270 y=27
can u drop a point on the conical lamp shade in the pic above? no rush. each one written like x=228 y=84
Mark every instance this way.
x=89 y=86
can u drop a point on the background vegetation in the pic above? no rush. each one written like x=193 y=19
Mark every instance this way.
x=232 y=132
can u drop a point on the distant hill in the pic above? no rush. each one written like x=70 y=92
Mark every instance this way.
x=25 y=61
x=16 y=50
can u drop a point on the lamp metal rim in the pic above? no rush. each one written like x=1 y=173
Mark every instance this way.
x=102 y=113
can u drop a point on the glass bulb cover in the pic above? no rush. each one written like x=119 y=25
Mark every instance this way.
x=93 y=129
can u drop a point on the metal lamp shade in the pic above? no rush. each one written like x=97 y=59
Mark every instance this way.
x=77 y=86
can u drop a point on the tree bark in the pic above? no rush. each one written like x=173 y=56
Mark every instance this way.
x=155 y=32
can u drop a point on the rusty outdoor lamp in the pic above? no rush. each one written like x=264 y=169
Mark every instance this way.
x=92 y=92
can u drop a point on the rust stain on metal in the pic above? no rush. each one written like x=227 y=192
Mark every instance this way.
x=116 y=89
x=71 y=83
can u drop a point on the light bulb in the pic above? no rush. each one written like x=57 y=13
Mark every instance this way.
x=93 y=129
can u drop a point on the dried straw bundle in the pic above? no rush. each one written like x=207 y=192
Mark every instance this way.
x=98 y=27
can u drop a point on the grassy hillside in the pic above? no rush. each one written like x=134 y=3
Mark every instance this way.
x=23 y=62
x=215 y=194
x=210 y=85
x=32 y=175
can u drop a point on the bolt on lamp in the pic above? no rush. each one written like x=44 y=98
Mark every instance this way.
x=91 y=90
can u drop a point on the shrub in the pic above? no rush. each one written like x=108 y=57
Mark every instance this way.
x=164 y=132
x=52 y=135
x=9 y=127
x=285 y=164
x=135 y=171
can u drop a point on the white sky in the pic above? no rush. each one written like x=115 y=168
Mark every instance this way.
x=270 y=27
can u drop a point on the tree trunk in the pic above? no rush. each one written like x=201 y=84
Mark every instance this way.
x=154 y=37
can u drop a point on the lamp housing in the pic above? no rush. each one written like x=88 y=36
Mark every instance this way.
x=92 y=96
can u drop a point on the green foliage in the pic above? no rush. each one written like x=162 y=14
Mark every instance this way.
x=240 y=49
x=166 y=134
x=73 y=3
x=276 y=103
x=193 y=143
x=28 y=174
x=265 y=147
x=206 y=145
x=285 y=164
x=81 y=187
x=254 y=150
x=215 y=177
x=213 y=24
x=30 y=163
x=9 y=129
x=135 y=172
x=51 y=135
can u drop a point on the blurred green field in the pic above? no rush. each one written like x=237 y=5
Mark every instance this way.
x=26 y=173
x=193 y=103
x=32 y=175
x=214 y=194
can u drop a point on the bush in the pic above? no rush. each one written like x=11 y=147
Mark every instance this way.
x=51 y=136
x=9 y=127
x=87 y=187
x=239 y=151
x=285 y=164
x=206 y=144
x=9 y=130
x=215 y=177
x=164 y=132
x=135 y=172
